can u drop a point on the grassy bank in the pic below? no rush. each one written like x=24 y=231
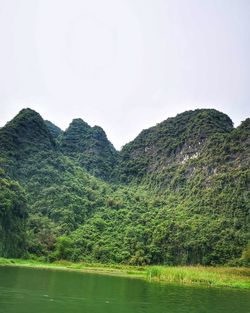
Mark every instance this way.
x=200 y=275
x=111 y=269
x=189 y=275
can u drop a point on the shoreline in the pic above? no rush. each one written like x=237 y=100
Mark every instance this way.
x=229 y=277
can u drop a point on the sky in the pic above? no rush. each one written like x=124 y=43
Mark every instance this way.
x=124 y=65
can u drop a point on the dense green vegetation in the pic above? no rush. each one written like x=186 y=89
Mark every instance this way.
x=90 y=147
x=177 y=194
x=164 y=147
x=13 y=214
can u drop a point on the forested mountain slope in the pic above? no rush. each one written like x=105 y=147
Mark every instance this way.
x=13 y=215
x=90 y=147
x=179 y=191
x=53 y=129
x=172 y=143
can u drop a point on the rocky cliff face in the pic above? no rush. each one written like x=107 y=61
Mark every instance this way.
x=172 y=143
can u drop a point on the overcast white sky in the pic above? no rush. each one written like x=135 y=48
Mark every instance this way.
x=124 y=65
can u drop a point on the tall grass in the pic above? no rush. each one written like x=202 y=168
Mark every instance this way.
x=211 y=276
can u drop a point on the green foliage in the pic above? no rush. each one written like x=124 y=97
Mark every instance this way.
x=63 y=249
x=185 y=199
x=170 y=143
x=53 y=129
x=90 y=147
x=13 y=214
x=245 y=258
x=25 y=134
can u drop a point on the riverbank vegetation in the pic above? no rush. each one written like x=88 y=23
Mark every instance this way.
x=187 y=275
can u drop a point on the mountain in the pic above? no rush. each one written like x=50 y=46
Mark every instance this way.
x=53 y=129
x=177 y=194
x=27 y=131
x=172 y=143
x=90 y=146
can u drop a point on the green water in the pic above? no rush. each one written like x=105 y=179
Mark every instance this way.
x=46 y=291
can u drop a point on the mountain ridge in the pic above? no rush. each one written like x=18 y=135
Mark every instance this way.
x=177 y=194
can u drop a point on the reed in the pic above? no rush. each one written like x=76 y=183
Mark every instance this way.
x=201 y=275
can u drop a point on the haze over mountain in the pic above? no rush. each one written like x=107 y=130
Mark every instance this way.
x=177 y=194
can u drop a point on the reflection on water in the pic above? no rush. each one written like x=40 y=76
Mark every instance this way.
x=25 y=290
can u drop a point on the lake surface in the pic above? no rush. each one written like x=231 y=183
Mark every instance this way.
x=24 y=290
